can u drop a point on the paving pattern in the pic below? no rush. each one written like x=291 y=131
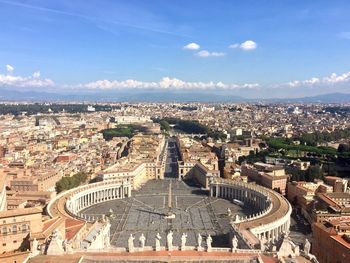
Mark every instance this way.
x=144 y=213
x=195 y=212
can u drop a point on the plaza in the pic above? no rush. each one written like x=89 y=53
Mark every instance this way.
x=143 y=213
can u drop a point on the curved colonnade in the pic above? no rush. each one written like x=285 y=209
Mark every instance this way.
x=266 y=226
x=79 y=198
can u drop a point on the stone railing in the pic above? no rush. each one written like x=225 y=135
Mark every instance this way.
x=92 y=194
x=79 y=198
x=270 y=224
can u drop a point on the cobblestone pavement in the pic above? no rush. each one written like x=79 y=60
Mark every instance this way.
x=194 y=211
x=144 y=213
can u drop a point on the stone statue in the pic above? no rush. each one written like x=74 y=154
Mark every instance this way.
x=34 y=248
x=234 y=243
x=158 y=238
x=131 y=243
x=307 y=247
x=262 y=243
x=169 y=239
x=209 y=241
x=142 y=240
x=199 y=242
x=183 y=241
x=55 y=245
x=229 y=212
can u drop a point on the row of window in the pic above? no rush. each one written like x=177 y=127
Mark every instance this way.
x=14 y=229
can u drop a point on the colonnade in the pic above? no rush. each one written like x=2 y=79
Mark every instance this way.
x=270 y=223
x=92 y=194
x=240 y=192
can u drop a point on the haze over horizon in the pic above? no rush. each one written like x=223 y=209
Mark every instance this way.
x=253 y=49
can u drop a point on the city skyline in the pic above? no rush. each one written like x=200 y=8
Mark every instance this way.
x=241 y=48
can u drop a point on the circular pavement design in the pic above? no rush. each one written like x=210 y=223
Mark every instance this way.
x=144 y=212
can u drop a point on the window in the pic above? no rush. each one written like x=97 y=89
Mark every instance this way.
x=4 y=230
x=24 y=228
x=14 y=229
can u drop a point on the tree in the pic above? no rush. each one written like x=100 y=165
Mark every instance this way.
x=164 y=125
x=314 y=172
x=342 y=148
x=67 y=183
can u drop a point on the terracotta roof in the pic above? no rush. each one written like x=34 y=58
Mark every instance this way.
x=19 y=212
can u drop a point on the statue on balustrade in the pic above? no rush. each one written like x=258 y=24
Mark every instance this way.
x=142 y=240
x=209 y=241
x=183 y=241
x=199 y=242
x=158 y=238
x=234 y=243
x=131 y=243
x=169 y=238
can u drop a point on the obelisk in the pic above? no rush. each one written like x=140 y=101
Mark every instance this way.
x=169 y=215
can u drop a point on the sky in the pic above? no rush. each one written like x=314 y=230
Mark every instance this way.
x=260 y=48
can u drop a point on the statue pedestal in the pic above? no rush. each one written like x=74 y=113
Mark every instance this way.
x=170 y=216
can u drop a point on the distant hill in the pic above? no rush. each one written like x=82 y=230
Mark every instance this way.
x=159 y=96
x=324 y=98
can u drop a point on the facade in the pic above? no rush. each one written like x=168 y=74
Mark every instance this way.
x=330 y=205
x=331 y=243
x=145 y=161
x=3 y=204
x=270 y=176
x=16 y=227
x=197 y=161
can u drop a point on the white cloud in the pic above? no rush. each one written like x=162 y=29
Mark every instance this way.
x=205 y=54
x=246 y=45
x=33 y=81
x=36 y=74
x=334 y=78
x=192 y=46
x=164 y=83
x=9 y=68
x=320 y=82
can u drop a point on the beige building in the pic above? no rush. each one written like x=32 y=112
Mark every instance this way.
x=270 y=176
x=145 y=161
x=16 y=227
x=2 y=193
x=196 y=161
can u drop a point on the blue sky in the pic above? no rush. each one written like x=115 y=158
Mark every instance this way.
x=245 y=47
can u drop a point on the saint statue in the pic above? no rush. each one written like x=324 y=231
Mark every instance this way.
x=183 y=240
x=169 y=239
x=234 y=243
x=142 y=240
x=131 y=243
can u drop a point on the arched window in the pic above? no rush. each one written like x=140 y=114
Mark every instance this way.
x=14 y=229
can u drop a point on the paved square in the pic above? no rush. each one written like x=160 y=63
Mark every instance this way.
x=144 y=213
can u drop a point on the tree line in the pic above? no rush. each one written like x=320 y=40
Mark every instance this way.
x=66 y=183
x=190 y=126
x=35 y=108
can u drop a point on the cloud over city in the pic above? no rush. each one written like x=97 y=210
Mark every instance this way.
x=192 y=46
x=32 y=81
x=246 y=45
